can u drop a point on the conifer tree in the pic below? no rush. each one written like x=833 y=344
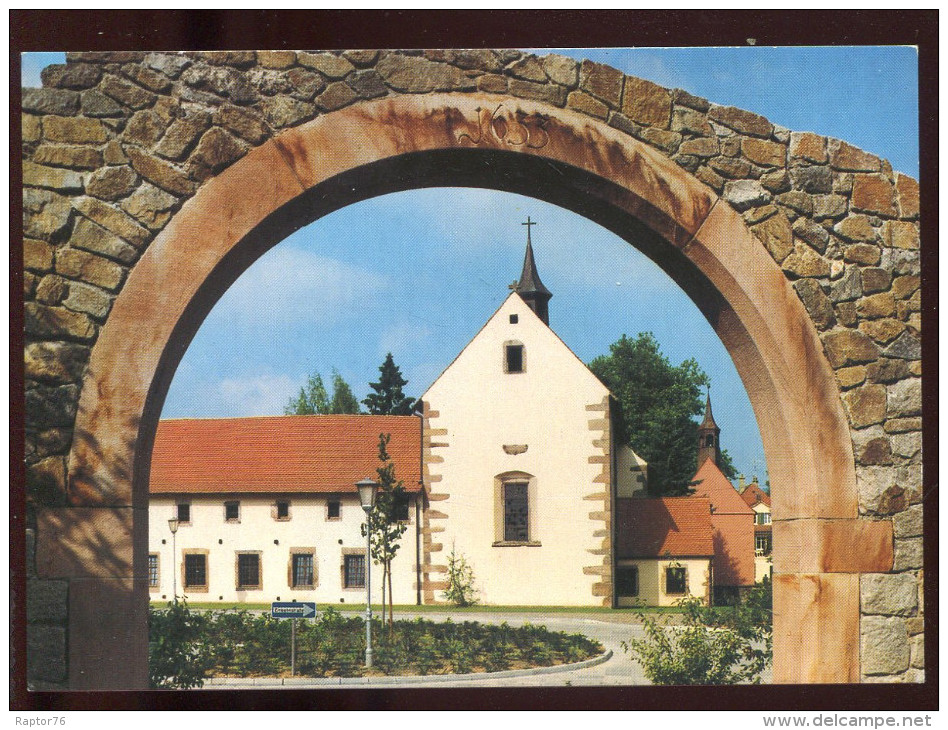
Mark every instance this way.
x=388 y=398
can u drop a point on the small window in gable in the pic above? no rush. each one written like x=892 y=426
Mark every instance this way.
x=513 y=357
x=514 y=318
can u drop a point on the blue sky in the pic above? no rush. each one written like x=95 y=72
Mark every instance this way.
x=417 y=273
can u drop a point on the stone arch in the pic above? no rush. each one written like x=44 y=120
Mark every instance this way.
x=568 y=157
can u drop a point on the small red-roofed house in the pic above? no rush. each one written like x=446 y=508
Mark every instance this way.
x=759 y=501
x=732 y=523
x=664 y=548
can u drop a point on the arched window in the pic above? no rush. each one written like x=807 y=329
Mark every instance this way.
x=515 y=497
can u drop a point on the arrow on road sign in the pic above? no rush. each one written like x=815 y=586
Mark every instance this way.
x=285 y=609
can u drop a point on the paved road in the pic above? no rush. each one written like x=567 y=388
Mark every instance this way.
x=609 y=629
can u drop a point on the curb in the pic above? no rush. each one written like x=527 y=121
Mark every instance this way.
x=237 y=682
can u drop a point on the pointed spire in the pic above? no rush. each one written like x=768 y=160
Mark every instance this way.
x=529 y=287
x=708 y=421
x=709 y=434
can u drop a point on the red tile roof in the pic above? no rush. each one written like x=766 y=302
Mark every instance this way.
x=316 y=454
x=725 y=499
x=673 y=526
x=753 y=494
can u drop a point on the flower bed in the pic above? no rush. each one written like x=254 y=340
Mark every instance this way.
x=187 y=647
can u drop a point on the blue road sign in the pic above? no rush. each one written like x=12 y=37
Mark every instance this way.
x=285 y=609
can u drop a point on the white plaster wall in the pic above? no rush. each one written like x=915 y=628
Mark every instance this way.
x=483 y=408
x=631 y=473
x=651 y=580
x=763 y=567
x=308 y=527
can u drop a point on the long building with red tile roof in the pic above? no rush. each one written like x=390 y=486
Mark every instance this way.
x=281 y=454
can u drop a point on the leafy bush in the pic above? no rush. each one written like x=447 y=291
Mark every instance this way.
x=728 y=645
x=460 y=590
x=178 y=654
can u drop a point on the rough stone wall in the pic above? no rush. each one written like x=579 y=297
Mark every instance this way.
x=114 y=143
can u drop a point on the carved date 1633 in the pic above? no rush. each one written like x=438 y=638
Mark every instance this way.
x=514 y=128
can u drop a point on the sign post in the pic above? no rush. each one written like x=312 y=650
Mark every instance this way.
x=285 y=609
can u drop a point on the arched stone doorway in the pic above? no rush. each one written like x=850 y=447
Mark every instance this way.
x=476 y=140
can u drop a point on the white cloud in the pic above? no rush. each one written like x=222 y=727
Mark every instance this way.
x=290 y=285
x=402 y=337
x=263 y=395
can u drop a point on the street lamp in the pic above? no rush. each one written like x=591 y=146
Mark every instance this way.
x=173 y=526
x=367 y=491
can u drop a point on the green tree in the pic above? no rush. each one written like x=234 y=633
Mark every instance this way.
x=657 y=406
x=383 y=521
x=313 y=398
x=343 y=401
x=388 y=398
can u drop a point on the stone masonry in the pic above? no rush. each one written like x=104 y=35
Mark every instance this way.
x=115 y=142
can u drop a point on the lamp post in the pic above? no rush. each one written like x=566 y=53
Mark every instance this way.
x=367 y=491
x=173 y=526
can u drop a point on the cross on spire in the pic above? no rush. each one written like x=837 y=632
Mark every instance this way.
x=529 y=286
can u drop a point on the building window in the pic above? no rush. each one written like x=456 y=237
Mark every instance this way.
x=627 y=580
x=353 y=571
x=302 y=570
x=184 y=512
x=333 y=509
x=513 y=357
x=514 y=318
x=762 y=518
x=516 y=512
x=232 y=511
x=248 y=571
x=762 y=544
x=153 y=570
x=283 y=510
x=675 y=581
x=195 y=571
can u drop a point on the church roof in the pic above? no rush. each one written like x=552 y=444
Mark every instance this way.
x=280 y=454
x=667 y=526
x=753 y=494
x=712 y=484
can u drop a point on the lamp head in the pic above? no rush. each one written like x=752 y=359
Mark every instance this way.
x=173 y=525
x=367 y=491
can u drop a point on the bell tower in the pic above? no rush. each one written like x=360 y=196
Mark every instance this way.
x=529 y=287
x=709 y=444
